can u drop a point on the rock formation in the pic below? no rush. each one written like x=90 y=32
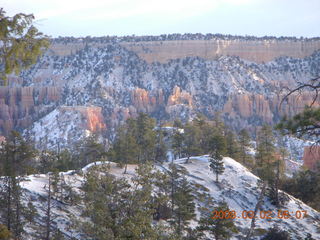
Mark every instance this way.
x=241 y=78
x=20 y=106
x=311 y=157
x=253 y=50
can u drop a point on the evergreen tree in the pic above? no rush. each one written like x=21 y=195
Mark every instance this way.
x=218 y=149
x=184 y=209
x=191 y=140
x=232 y=146
x=305 y=186
x=244 y=144
x=146 y=137
x=90 y=150
x=266 y=152
x=102 y=205
x=177 y=143
x=116 y=209
x=279 y=166
x=206 y=130
x=15 y=162
x=21 y=43
x=65 y=161
x=182 y=199
x=161 y=196
x=177 y=124
x=160 y=147
x=125 y=148
x=48 y=160
x=276 y=234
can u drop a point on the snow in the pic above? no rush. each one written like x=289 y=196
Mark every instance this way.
x=238 y=187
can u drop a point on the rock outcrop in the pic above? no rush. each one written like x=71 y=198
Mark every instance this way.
x=21 y=106
x=311 y=157
x=267 y=108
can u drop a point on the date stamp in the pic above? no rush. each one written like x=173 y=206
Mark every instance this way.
x=280 y=214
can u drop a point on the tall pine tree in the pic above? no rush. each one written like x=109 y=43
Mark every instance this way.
x=218 y=148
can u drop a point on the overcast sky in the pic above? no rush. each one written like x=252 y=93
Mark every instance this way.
x=154 y=17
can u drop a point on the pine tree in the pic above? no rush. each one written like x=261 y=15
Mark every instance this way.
x=118 y=210
x=266 y=152
x=191 y=141
x=182 y=198
x=146 y=137
x=21 y=43
x=184 y=209
x=160 y=147
x=161 y=196
x=126 y=149
x=15 y=162
x=177 y=143
x=218 y=149
x=90 y=150
x=244 y=144
x=232 y=146
x=279 y=171
x=206 y=130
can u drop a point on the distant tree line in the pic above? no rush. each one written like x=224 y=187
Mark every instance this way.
x=174 y=36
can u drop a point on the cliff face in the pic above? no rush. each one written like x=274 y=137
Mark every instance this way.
x=168 y=80
x=20 y=106
x=253 y=50
x=267 y=108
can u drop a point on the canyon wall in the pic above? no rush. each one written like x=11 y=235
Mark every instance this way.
x=104 y=83
x=253 y=50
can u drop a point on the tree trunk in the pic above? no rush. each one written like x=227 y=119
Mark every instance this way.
x=277 y=182
x=125 y=168
x=48 y=212
x=172 y=193
x=257 y=208
x=9 y=205
x=187 y=161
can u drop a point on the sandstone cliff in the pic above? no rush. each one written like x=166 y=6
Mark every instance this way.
x=253 y=50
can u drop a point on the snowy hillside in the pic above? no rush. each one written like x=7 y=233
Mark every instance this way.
x=238 y=187
x=63 y=125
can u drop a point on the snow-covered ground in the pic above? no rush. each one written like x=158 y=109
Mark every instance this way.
x=238 y=187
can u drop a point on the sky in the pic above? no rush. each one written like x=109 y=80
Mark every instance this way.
x=80 y=18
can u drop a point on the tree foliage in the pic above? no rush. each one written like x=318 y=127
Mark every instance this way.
x=15 y=162
x=218 y=145
x=21 y=43
x=307 y=123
